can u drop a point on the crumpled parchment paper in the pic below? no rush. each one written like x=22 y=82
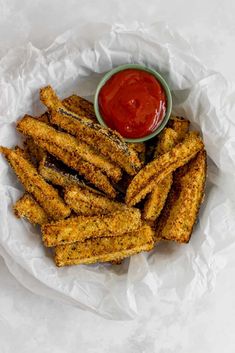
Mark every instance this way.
x=171 y=273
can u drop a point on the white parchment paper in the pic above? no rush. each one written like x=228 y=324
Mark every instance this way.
x=171 y=273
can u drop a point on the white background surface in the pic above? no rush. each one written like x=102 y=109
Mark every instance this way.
x=32 y=323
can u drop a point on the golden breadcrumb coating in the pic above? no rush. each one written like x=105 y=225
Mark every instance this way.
x=81 y=150
x=83 y=227
x=84 y=201
x=59 y=174
x=107 y=141
x=157 y=198
x=179 y=125
x=155 y=171
x=80 y=106
x=181 y=209
x=74 y=103
x=47 y=197
x=167 y=139
x=65 y=148
x=28 y=208
x=35 y=153
x=105 y=249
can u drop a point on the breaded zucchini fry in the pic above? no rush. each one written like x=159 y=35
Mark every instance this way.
x=63 y=147
x=59 y=174
x=55 y=176
x=145 y=181
x=81 y=227
x=107 y=141
x=27 y=207
x=181 y=209
x=85 y=202
x=80 y=106
x=47 y=197
x=157 y=198
x=40 y=130
x=105 y=249
x=90 y=173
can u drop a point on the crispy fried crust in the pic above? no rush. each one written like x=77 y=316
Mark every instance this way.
x=80 y=149
x=145 y=181
x=116 y=262
x=107 y=141
x=45 y=118
x=80 y=106
x=168 y=138
x=27 y=207
x=85 y=202
x=179 y=125
x=36 y=153
x=64 y=147
x=157 y=198
x=90 y=173
x=139 y=149
x=55 y=176
x=47 y=197
x=59 y=174
x=75 y=104
x=80 y=228
x=180 y=212
x=105 y=249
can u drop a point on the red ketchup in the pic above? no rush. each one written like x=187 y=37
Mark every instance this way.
x=132 y=102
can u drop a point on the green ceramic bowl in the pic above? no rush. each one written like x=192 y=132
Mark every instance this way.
x=158 y=77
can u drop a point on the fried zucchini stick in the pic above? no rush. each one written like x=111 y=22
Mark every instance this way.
x=55 y=176
x=40 y=130
x=157 y=198
x=181 y=209
x=47 y=197
x=27 y=207
x=56 y=173
x=81 y=227
x=145 y=181
x=58 y=144
x=90 y=173
x=85 y=202
x=105 y=249
x=80 y=106
x=107 y=141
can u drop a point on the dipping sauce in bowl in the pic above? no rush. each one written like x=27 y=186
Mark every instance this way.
x=133 y=100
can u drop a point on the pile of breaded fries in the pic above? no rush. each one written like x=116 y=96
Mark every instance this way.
x=97 y=198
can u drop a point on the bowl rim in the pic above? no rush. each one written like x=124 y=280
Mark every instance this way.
x=158 y=76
